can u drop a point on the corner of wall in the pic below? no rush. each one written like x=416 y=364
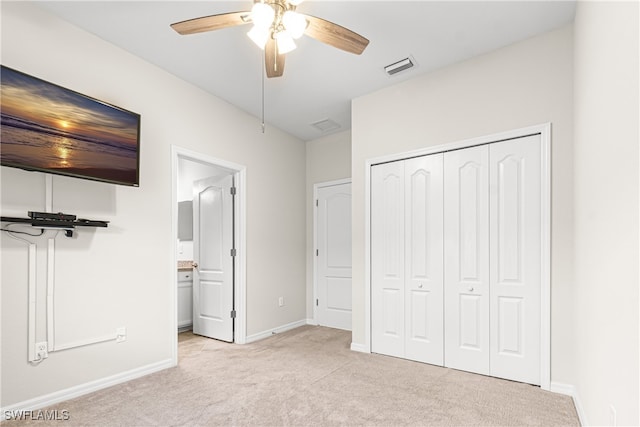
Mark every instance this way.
x=570 y=390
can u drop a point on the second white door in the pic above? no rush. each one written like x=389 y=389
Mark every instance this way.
x=515 y=268
x=492 y=259
x=333 y=254
x=423 y=259
x=212 y=245
x=406 y=259
x=466 y=266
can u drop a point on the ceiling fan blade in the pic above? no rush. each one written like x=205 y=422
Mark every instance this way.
x=335 y=35
x=273 y=61
x=212 y=23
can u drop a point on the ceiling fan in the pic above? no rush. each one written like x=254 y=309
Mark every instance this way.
x=275 y=26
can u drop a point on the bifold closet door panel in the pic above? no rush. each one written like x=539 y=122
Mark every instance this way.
x=466 y=263
x=515 y=222
x=387 y=259
x=424 y=320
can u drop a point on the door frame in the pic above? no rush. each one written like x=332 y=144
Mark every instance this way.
x=240 y=225
x=317 y=187
x=544 y=130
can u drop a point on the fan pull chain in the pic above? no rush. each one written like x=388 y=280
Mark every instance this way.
x=263 y=71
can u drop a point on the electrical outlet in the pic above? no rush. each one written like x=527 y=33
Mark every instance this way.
x=281 y=301
x=121 y=334
x=613 y=415
x=41 y=350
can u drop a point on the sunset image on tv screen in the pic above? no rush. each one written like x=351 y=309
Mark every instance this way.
x=52 y=129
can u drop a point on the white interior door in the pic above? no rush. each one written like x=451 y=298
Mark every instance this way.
x=466 y=263
x=212 y=244
x=515 y=212
x=387 y=259
x=333 y=233
x=424 y=259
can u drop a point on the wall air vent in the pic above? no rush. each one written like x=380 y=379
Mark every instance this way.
x=400 y=66
x=326 y=125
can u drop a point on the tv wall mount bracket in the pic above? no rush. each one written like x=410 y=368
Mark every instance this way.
x=50 y=220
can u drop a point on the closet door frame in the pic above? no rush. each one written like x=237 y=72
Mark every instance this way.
x=544 y=130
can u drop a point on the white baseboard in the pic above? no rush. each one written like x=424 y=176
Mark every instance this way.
x=582 y=415
x=561 y=388
x=312 y=322
x=277 y=330
x=359 y=348
x=82 y=389
x=570 y=390
x=185 y=328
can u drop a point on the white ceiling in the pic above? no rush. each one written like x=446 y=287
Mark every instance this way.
x=319 y=81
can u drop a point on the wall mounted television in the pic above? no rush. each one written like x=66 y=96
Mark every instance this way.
x=48 y=128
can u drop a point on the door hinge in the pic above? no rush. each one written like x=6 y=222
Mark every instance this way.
x=316 y=252
x=233 y=252
x=233 y=191
x=233 y=314
x=316 y=202
x=316 y=302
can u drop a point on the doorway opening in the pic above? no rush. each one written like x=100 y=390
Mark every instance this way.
x=207 y=180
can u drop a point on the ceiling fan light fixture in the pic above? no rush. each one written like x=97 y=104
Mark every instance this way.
x=274 y=33
x=259 y=35
x=262 y=15
x=285 y=42
x=295 y=23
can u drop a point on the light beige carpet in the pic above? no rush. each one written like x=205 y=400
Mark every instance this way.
x=308 y=376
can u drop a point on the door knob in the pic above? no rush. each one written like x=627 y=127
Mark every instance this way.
x=194 y=264
x=471 y=289
x=420 y=285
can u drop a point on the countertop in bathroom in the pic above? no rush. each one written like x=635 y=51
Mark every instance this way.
x=185 y=265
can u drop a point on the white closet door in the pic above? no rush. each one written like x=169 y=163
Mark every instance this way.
x=423 y=259
x=387 y=259
x=466 y=266
x=515 y=259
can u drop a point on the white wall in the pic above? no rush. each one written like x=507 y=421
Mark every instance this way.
x=524 y=84
x=122 y=275
x=328 y=159
x=606 y=211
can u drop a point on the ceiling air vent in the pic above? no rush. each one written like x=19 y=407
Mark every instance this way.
x=399 y=66
x=326 y=125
